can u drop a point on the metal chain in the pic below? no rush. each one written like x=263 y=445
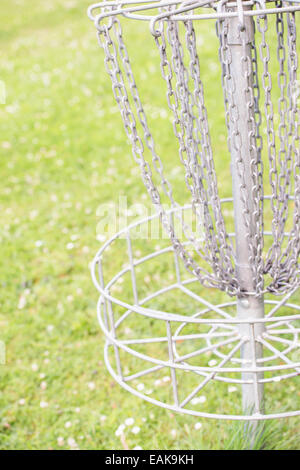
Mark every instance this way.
x=121 y=96
x=252 y=217
x=282 y=264
x=206 y=156
x=284 y=156
x=290 y=256
x=272 y=258
x=255 y=220
x=185 y=98
x=190 y=144
x=192 y=139
x=260 y=169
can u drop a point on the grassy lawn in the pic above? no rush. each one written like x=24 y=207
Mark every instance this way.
x=63 y=154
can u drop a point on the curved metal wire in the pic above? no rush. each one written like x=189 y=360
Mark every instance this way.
x=129 y=7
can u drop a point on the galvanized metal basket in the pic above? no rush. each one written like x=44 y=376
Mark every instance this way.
x=246 y=267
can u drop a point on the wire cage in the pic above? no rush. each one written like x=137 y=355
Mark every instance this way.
x=175 y=354
x=224 y=317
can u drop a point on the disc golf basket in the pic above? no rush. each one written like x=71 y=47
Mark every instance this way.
x=213 y=306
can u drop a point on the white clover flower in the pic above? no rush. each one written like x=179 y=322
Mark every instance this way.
x=22 y=302
x=6 y=145
x=91 y=385
x=120 y=430
x=232 y=389
x=43 y=385
x=34 y=367
x=72 y=443
x=129 y=421
x=135 y=430
x=33 y=214
x=202 y=399
x=140 y=387
x=212 y=363
x=198 y=426
x=60 y=441
x=100 y=237
x=43 y=404
x=197 y=400
x=22 y=401
x=68 y=424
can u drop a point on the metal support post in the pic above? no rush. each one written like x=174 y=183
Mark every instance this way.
x=248 y=307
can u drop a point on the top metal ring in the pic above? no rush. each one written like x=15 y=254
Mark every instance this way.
x=177 y=10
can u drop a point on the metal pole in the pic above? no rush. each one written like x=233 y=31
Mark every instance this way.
x=248 y=307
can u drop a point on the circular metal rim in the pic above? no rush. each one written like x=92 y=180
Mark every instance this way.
x=254 y=417
x=130 y=12
x=112 y=341
x=220 y=379
x=264 y=359
x=104 y=291
x=121 y=345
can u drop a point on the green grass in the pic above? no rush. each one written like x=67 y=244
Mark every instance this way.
x=63 y=153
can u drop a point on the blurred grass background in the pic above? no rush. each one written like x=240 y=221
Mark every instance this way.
x=63 y=153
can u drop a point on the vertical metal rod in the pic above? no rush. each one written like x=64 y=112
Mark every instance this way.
x=248 y=307
x=171 y=357
x=113 y=332
x=131 y=262
x=101 y=280
x=176 y=259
